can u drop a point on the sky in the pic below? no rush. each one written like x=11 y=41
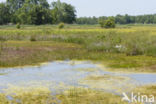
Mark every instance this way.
x=111 y=7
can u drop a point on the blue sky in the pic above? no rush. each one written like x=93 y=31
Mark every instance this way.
x=112 y=7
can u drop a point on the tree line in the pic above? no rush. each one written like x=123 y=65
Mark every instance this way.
x=120 y=19
x=36 y=12
x=41 y=12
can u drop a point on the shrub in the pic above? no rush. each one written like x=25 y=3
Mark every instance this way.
x=18 y=26
x=33 y=38
x=61 y=26
x=101 y=24
x=109 y=23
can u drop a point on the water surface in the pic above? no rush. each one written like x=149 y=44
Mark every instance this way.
x=62 y=74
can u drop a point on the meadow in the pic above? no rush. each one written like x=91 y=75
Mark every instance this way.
x=125 y=48
x=128 y=48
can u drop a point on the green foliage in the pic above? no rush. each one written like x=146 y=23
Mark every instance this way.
x=117 y=48
x=109 y=23
x=121 y=19
x=61 y=26
x=18 y=25
x=39 y=12
x=36 y=12
x=4 y=14
x=63 y=12
x=87 y=20
x=36 y=15
x=17 y=4
x=33 y=38
x=101 y=24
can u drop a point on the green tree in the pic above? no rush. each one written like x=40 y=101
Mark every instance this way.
x=15 y=4
x=4 y=13
x=33 y=12
x=63 y=12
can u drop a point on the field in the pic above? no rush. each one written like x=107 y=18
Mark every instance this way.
x=126 y=49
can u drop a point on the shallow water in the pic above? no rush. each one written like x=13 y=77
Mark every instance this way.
x=62 y=74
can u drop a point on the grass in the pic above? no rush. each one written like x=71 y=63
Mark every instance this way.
x=20 y=53
x=147 y=90
x=129 y=48
x=115 y=84
x=123 y=48
x=87 y=96
x=71 y=96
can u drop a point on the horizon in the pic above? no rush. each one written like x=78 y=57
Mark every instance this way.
x=99 y=8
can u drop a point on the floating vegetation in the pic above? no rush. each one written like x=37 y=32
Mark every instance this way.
x=110 y=83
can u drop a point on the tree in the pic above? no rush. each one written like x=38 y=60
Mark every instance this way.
x=4 y=13
x=15 y=4
x=42 y=3
x=63 y=12
x=39 y=15
x=69 y=13
x=87 y=20
x=33 y=12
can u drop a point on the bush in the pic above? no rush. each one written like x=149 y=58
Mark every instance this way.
x=18 y=26
x=61 y=26
x=33 y=38
x=109 y=23
x=101 y=24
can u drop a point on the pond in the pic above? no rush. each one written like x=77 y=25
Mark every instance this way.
x=60 y=75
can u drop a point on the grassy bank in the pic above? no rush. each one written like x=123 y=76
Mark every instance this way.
x=124 y=48
x=72 y=96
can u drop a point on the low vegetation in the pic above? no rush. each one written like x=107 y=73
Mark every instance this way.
x=61 y=26
x=18 y=26
x=71 y=96
x=127 y=48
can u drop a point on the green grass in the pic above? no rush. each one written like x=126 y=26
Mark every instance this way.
x=20 y=53
x=31 y=45
x=147 y=90
x=71 y=96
